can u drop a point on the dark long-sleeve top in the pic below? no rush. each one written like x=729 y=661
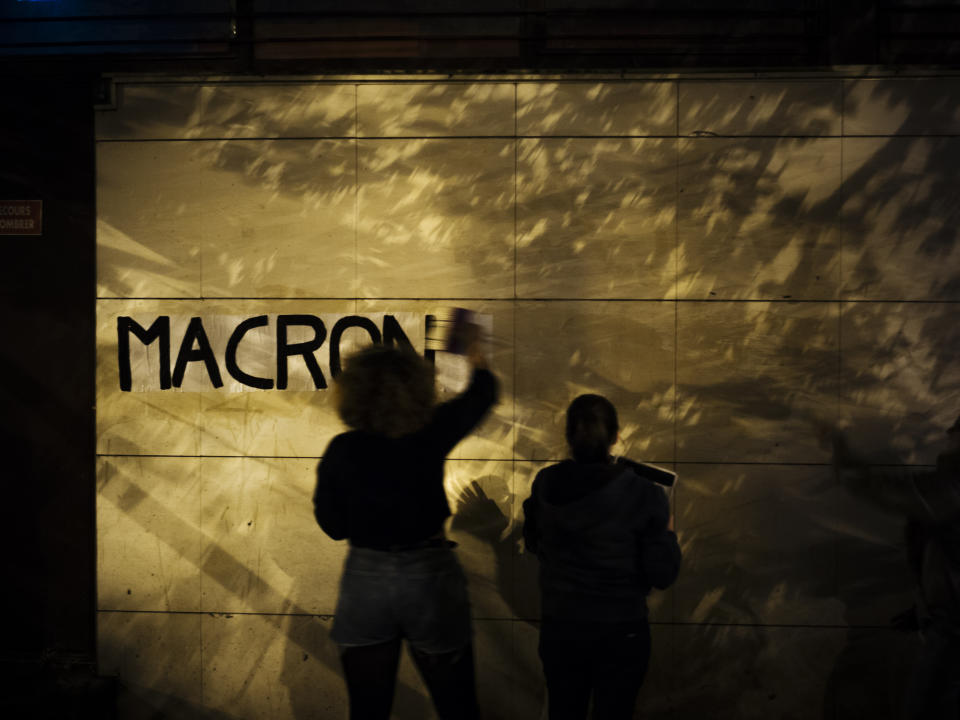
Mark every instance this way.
x=381 y=492
x=600 y=533
x=930 y=501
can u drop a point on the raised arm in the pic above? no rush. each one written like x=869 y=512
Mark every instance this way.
x=923 y=494
x=454 y=419
x=918 y=493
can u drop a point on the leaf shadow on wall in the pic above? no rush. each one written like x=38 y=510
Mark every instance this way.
x=771 y=221
x=752 y=376
x=306 y=634
x=229 y=205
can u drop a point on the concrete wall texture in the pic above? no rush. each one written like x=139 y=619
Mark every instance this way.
x=730 y=259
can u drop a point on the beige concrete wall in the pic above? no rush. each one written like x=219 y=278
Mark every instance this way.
x=729 y=259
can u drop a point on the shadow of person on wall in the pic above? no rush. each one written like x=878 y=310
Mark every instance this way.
x=504 y=592
x=515 y=572
x=929 y=501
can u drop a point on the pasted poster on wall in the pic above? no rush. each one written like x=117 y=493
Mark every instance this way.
x=271 y=351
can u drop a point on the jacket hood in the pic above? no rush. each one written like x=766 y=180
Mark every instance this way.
x=570 y=482
x=581 y=498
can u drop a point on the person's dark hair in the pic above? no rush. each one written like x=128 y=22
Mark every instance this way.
x=591 y=428
x=385 y=390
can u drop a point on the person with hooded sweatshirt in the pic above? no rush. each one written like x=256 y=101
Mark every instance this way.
x=604 y=538
x=930 y=503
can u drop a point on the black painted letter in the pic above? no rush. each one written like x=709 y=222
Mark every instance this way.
x=160 y=329
x=204 y=352
x=285 y=349
x=393 y=334
x=231 y=355
x=342 y=324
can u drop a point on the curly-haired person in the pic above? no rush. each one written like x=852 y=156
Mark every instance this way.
x=380 y=486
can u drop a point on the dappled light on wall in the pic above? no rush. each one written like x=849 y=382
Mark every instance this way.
x=734 y=262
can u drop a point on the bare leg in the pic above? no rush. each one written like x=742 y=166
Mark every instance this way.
x=449 y=678
x=371 y=675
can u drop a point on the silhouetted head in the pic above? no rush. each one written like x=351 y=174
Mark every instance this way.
x=385 y=390
x=591 y=428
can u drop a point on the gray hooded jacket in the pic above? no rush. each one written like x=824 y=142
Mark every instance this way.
x=600 y=533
